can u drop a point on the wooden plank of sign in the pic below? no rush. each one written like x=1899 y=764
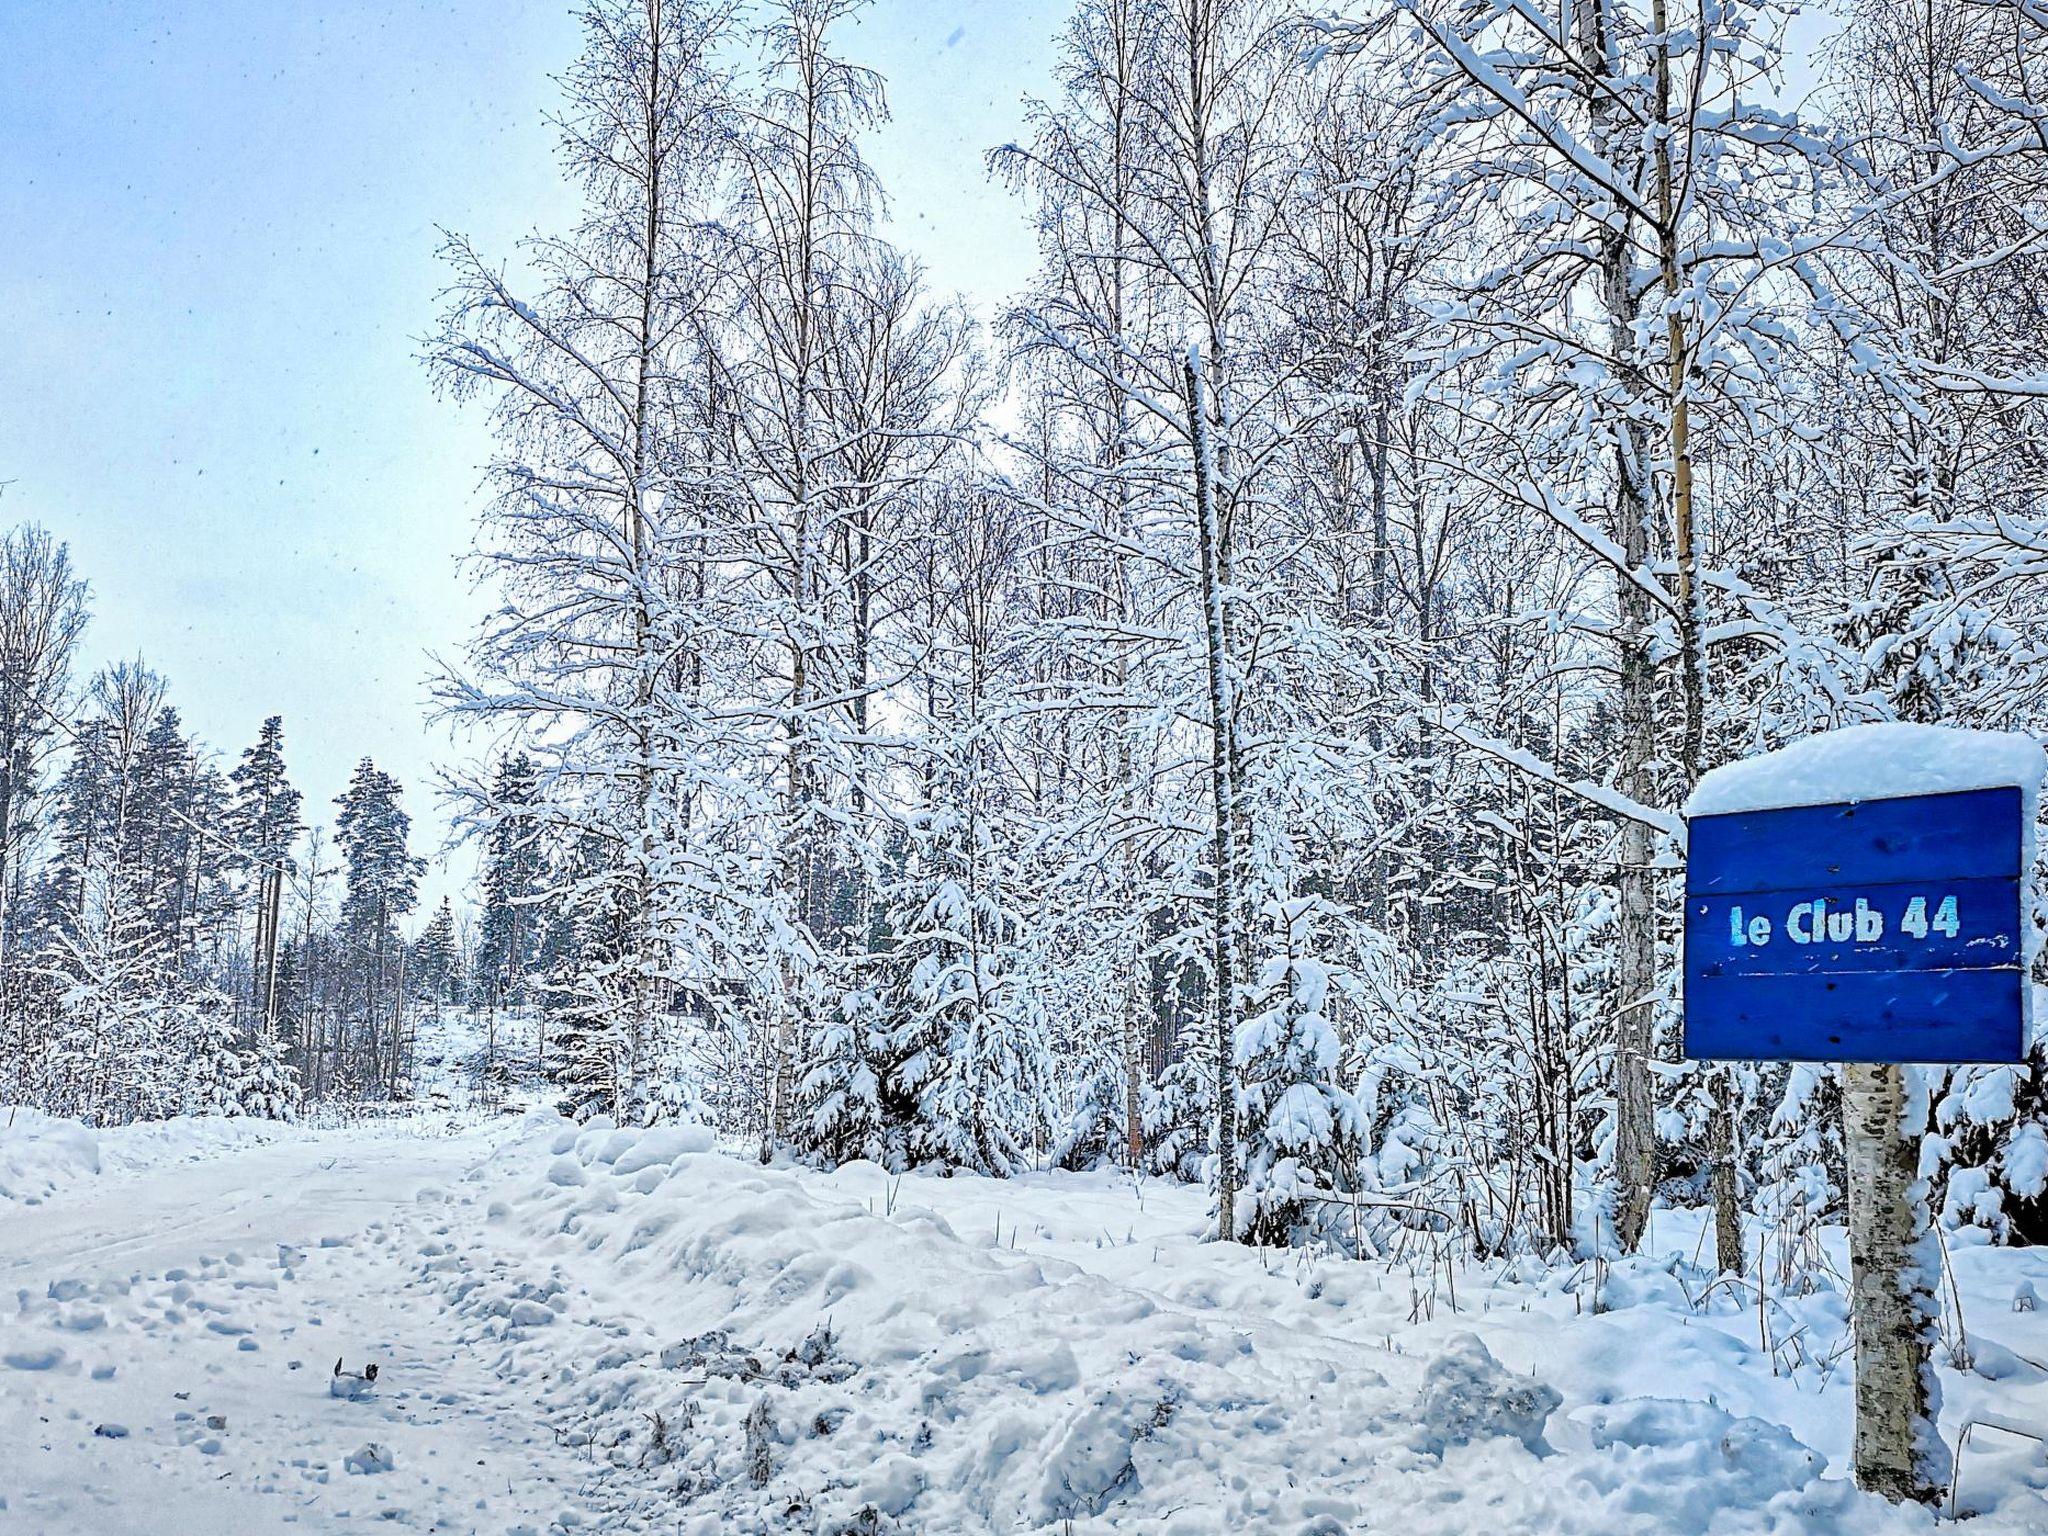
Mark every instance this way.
x=1967 y=835
x=1921 y=1016
x=1987 y=929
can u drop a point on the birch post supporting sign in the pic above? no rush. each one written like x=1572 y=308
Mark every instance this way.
x=1862 y=898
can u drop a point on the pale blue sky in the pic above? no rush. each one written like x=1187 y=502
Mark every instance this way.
x=217 y=235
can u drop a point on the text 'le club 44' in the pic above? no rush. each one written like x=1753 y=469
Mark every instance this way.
x=1820 y=921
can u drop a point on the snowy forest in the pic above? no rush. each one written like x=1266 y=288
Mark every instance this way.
x=1227 y=714
x=173 y=939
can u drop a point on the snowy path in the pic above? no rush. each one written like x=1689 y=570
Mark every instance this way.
x=626 y=1331
x=157 y=1303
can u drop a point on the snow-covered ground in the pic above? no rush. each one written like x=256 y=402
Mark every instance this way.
x=629 y=1331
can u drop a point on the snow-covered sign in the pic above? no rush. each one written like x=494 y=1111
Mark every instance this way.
x=1862 y=896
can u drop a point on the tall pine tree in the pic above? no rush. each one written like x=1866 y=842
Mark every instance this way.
x=383 y=885
x=264 y=820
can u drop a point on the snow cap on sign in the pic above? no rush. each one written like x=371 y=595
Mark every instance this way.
x=1875 y=762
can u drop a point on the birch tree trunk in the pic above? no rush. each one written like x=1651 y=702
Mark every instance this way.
x=1635 y=1141
x=1893 y=1270
x=1223 y=793
x=647 y=652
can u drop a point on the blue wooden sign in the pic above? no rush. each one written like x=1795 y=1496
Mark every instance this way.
x=1879 y=930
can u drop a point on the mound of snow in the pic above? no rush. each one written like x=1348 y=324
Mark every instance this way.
x=40 y=1153
x=1468 y=1395
x=372 y=1458
x=1873 y=762
x=183 y=1139
x=1705 y=1462
x=660 y=1147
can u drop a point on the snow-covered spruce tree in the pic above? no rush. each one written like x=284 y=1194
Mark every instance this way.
x=968 y=1061
x=112 y=1058
x=513 y=863
x=267 y=1086
x=371 y=829
x=1092 y=1132
x=967 y=1033
x=842 y=1116
x=309 y=969
x=577 y=986
x=437 y=959
x=216 y=1064
x=1178 y=1108
x=1301 y=1133
x=176 y=860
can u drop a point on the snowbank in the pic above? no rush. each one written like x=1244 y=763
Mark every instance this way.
x=39 y=1154
x=916 y=1354
x=42 y=1154
x=1874 y=762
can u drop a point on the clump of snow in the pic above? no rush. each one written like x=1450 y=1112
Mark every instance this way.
x=891 y=1485
x=1468 y=1395
x=1874 y=762
x=660 y=1146
x=370 y=1459
x=40 y=1153
x=1091 y=1463
x=2026 y=1159
x=1705 y=1462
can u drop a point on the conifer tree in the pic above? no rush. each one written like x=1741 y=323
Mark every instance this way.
x=1303 y=1134
x=969 y=1040
x=514 y=863
x=382 y=886
x=841 y=1095
x=437 y=959
x=264 y=821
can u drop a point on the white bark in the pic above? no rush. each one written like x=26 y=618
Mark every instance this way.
x=1223 y=761
x=1894 y=1268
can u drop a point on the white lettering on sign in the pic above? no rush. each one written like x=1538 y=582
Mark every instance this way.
x=1757 y=931
x=1816 y=922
